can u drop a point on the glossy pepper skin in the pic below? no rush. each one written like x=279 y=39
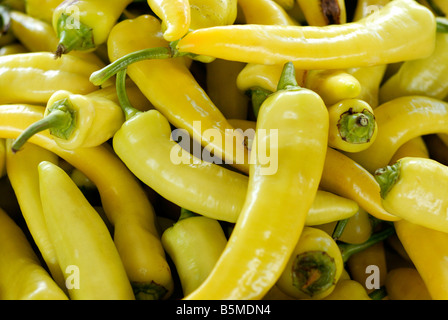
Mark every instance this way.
x=413 y=189
x=426 y=77
x=399 y=121
x=265 y=12
x=84 y=25
x=184 y=107
x=23 y=175
x=210 y=13
x=353 y=127
x=367 y=7
x=175 y=16
x=34 y=77
x=42 y=9
x=125 y=203
x=264 y=236
x=76 y=121
x=363 y=43
x=22 y=275
x=195 y=244
x=348 y=290
x=81 y=239
x=314 y=267
x=406 y=284
x=12 y=49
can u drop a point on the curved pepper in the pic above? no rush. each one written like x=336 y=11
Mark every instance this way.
x=210 y=13
x=12 y=49
x=348 y=290
x=353 y=127
x=333 y=85
x=183 y=108
x=415 y=147
x=413 y=189
x=175 y=16
x=81 y=239
x=84 y=25
x=314 y=266
x=426 y=77
x=22 y=277
x=37 y=35
x=265 y=12
x=370 y=79
x=76 y=121
x=380 y=39
x=266 y=232
x=34 y=77
x=406 y=284
x=399 y=121
x=42 y=9
x=322 y=13
x=124 y=201
x=23 y=175
x=195 y=244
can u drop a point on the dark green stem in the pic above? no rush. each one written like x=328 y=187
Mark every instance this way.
x=125 y=104
x=149 y=291
x=356 y=127
x=442 y=24
x=387 y=177
x=313 y=272
x=349 y=249
x=258 y=95
x=339 y=229
x=73 y=35
x=378 y=294
x=60 y=120
x=5 y=20
x=102 y=75
x=288 y=77
x=185 y=214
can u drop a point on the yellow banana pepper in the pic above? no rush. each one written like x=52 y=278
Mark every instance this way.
x=378 y=39
x=406 y=284
x=221 y=76
x=427 y=249
x=124 y=201
x=415 y=147
x=286 y=4
x=76 y=120
x=210 y=13
x=370 y=79
x=399 y=121
x=41 y=9
x=348 y=290
x=265 y=12
x=333 y=85
x=188 y=108
x=12 y=49
x=84 y=25
x=195 y=244
x=352 y=125
x=86 y=252
x=314 y=266
x=22 y=277
x=175 y=17
x=322 y=13
x=23 y=175
x=34 y=77
x=413 y=189
x=264 y=236
x=366 y=7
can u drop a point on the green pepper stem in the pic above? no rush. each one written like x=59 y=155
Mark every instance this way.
x=288 y=77
x=378 y=294
x=73 y=35
x=102 y=75
x=148 y=291
x=339 y=229
x=56 y=119
x=313 y=272
x=356 y=127
x=387 y=177
x=125 y=104
x=442 y=24
x=185 y=214
x=258 y=95
x=349 y=249
x=5 y=20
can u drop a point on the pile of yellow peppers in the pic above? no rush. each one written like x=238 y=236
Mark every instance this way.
x=223 y=150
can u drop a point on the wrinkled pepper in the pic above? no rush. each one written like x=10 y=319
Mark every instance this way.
x=378 y=39
x=22 y=277
x=34 y=77
x=76 y=121
x=124 y=201
x=264 y=236
x=84 y=25
x=23 y=175
x=314 y=267
x=353 y=127
x=195 y=244
x=81 y=239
